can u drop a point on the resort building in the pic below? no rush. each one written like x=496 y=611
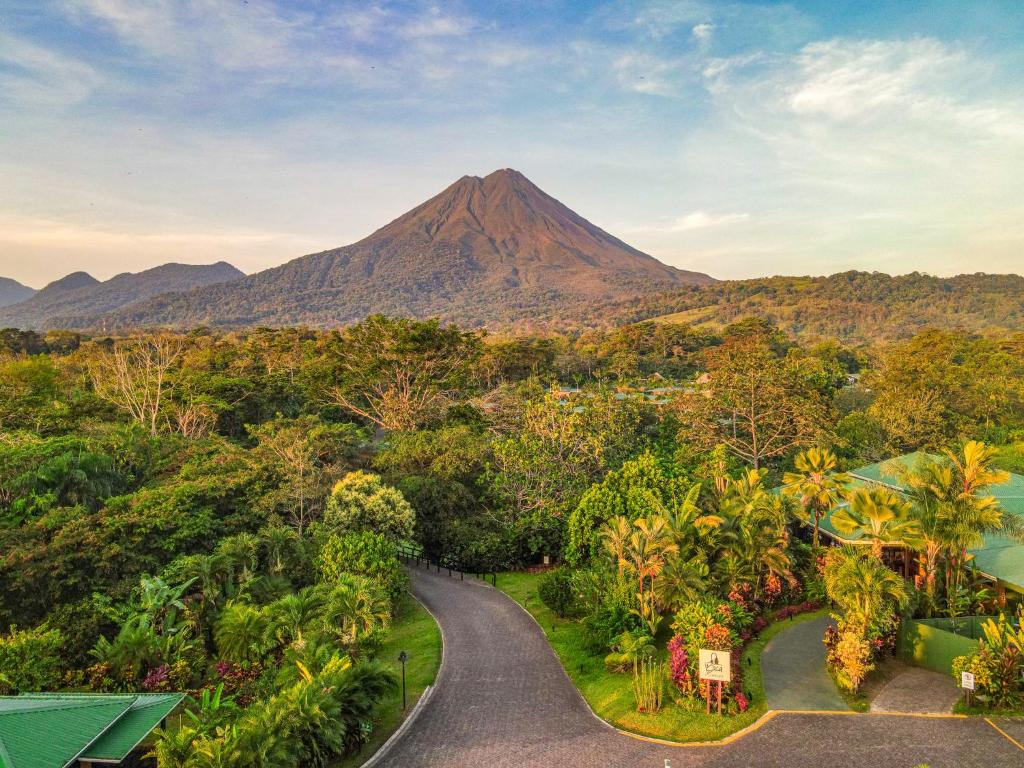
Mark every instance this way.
x=1000 y=559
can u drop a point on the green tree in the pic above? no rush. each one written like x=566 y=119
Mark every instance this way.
x=758 y=405
x=243 y=633
x=401 y=374
x=306 y=454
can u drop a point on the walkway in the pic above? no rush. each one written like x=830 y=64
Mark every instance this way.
x=793 y=666
x=918 y=690
x=503 y=701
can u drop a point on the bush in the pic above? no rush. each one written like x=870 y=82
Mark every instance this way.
x=607 y=623
x=30 y=660
x=364 y=554
x=629 y=649
x=360 y=501
x=555 y=590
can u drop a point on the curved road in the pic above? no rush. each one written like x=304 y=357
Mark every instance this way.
x=502 y=700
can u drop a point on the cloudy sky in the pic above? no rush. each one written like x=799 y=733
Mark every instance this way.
x=740 y=139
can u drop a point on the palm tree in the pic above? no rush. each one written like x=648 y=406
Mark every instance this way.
x=878 y=515
x=681 y=581
x=615 y=538
x=281 y=544
x=291 y=615
x=750 y=538
x=353 y=608
x=972 y=513
x=952 y=508
x=242 y=633
x=649 y=545
x=863 y=587
x=815 y=484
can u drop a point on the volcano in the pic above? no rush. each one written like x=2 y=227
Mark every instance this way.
x=484 y=252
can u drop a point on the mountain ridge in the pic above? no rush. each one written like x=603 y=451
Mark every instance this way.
x=78 y=298
x=13 y=292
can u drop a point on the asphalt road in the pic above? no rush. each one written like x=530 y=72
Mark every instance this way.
x=502 y=700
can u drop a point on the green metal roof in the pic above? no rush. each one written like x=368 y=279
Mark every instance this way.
x=77 y=726
x=143 y=716
x=52 y=733
x=1000 y=557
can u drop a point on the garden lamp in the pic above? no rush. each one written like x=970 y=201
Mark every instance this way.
x=403 y=657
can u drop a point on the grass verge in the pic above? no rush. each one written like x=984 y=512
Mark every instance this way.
x=611 y=695
x=414 y=631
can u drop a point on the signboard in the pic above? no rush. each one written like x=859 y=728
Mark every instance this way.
x=714 y=665
x=967 y=680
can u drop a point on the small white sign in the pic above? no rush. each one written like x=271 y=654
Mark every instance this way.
x=714 y=665
x=967 y=680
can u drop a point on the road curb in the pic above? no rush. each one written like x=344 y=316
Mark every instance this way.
x=425 y=697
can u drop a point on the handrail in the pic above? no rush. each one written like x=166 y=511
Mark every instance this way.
x=412 y=556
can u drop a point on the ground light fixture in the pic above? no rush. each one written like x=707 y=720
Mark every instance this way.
x=403 y=657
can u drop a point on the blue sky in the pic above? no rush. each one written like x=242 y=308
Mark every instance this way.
x=739 y=139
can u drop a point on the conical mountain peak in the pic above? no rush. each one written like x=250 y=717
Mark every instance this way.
x=484 y=251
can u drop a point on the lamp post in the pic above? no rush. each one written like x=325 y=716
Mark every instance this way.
x=403 y=657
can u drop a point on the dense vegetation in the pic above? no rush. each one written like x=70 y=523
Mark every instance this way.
x=219 y=512
x=856 y=307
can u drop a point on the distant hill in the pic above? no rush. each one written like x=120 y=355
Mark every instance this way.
x=853 y=306
x=11 y=291
x=75 y=301
x=485 y=251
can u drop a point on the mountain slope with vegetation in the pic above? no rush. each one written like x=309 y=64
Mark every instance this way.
x=484 y=252
x=76 y=299
x=851 y=306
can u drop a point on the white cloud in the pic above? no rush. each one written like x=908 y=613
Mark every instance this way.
x=703 y=31
x=703 y=219
x=33 y=75
x=686 y=223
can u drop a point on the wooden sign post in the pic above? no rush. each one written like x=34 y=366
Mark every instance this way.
x=715 y=667
x=967 y=683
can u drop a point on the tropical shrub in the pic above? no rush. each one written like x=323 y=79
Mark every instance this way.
x=628 y=650
x=555 y=590
x=648 y=685
x=30 y=660
x=363 y=553
x=998 y=665
x=679 y=666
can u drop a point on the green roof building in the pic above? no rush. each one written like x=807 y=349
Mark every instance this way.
x=56 y=730
x=1000 y=558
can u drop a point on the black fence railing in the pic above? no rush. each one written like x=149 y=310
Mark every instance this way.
x=415 y=558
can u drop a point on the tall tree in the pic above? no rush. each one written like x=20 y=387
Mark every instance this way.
x=403 y=374
x=815 y=484
x=134 y=375
x=754 y=402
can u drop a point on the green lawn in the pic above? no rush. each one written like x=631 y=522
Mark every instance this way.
x=611 y=695
x=414 y=631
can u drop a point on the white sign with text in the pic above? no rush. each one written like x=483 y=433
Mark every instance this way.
x=714 y=665
x=967 y=680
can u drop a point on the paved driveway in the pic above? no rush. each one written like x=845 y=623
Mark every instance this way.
x=794 y=670
x=503 y=701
